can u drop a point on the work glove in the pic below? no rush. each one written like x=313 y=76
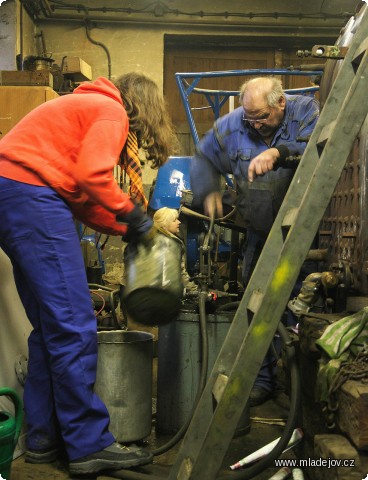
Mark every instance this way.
x=147 y=237
x=140 y=226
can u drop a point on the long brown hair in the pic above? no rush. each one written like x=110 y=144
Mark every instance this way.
x=148 y=116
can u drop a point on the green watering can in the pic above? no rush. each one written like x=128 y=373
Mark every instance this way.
x=9 y=432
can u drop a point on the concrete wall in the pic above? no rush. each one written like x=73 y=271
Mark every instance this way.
x=17 y=34
x=130 y=49
x=8 y=27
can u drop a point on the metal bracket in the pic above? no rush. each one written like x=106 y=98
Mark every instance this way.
x=333 y=52
x=329 y=51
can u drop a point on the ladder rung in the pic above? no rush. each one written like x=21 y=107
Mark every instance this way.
x=290 y=217
x=325 y=134
x=219 y=386
x=360 y=52
x=255 y=301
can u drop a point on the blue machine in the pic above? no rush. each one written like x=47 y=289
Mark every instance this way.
x=172 y=178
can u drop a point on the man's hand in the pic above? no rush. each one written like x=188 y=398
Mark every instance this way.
x=213 y=205
x=262 y=163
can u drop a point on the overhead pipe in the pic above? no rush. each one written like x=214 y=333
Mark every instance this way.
x=281 y=29
x=160 y=9
x=224 y=18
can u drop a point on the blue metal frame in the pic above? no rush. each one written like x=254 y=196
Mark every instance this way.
x=217 y=98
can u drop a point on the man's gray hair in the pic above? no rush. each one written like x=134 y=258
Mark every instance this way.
x=273 y=92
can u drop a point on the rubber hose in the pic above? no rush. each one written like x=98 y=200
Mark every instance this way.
x=228 y=307
x=131 y=475
x=202 y=380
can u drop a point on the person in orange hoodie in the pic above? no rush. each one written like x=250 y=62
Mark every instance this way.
x=56 y=165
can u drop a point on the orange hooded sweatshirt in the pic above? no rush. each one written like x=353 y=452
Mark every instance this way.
x=72 y=144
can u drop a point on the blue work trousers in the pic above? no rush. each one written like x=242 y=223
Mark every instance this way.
x=38 y=234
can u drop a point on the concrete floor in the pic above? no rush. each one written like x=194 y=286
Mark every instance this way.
x=263 y=429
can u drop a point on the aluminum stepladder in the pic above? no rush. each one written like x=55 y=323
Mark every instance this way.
x=228 y=387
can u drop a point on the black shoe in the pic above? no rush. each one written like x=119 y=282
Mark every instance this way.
x=113 y=457
x=47 y=455
x=259 y=395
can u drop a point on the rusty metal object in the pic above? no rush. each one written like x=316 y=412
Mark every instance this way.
x=317 y=254
x=329 y=279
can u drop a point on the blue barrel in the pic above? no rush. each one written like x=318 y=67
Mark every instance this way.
x=179 y=367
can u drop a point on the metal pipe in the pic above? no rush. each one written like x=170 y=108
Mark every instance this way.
x=192 y=213
x=160 y=12
x=318 y=255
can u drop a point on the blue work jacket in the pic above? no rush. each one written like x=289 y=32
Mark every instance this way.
x=232 y=143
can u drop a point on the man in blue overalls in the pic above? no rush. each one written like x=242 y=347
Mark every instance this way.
x=256 y=143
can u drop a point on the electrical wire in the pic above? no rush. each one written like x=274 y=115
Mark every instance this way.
x=99 y=44
x=101 y=298
x=112 y=293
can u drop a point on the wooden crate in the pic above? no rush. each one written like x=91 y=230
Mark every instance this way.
x=353 y=412
x=16 y=102
x=26 y=78
x=332 y=447
x=77 y=69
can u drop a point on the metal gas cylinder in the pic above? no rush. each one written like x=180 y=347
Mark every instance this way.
x=154 y=287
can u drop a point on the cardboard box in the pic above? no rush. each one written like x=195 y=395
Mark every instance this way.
x=26 y=77
x=16 y=102
x=77 y=69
